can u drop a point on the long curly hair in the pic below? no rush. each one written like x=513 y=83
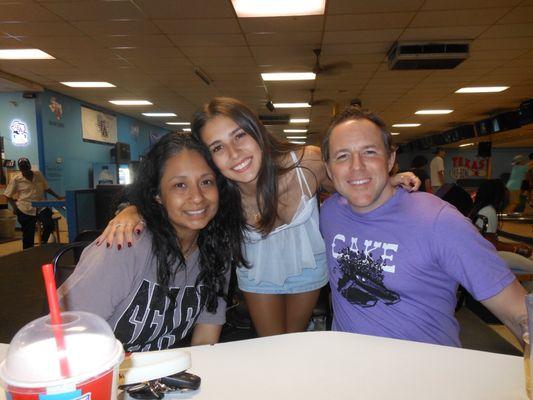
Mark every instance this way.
x=273 y=151
x=219 y=242
x=491 y=192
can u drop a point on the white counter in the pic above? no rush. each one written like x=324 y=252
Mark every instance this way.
x=333 y=366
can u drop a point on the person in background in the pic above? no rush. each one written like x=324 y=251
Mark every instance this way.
x=490 y=201
x=395 y=259
x=518 y=174
x=418 y=167
x=277 y=183
x=436 y=169
x=23 y=188
x=172 y=284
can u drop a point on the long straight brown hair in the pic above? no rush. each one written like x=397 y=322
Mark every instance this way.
x=273 y=151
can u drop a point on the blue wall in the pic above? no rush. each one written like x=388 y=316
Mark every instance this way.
x=13 y=106
x=68 y=159
x=501 y=160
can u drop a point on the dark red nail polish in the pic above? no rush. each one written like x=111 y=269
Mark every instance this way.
x=129 y=244
x=138 y=231
x=119 y=247
x=107 y=245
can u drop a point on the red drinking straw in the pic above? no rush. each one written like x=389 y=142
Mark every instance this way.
x=55 y=317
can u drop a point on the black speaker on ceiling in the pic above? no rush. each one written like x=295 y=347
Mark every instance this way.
x=484 y=149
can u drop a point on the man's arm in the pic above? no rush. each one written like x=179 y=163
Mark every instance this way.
x=510 y=307
x=13 y=204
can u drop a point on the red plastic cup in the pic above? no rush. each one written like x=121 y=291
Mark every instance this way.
x=32 y=371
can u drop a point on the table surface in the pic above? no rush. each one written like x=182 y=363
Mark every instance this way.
x=334 y=365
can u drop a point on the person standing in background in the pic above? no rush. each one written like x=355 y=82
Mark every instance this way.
x=436 y=168
x=514 y=184
x=418 y=167
x=23 y=188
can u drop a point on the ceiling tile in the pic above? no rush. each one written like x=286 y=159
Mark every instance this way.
x=363 y=36
x=25 y=12
x=39 y=29
x=518 y=15
x=501 y=44
x=372 y=6
x=282 y=39
x=117 y=27
x=351 y=49
x=208 y=40
x=282 y=24
x=186 y=9
x=197 y=26
x=368 y=21
x=113 y=41
x=507 y=31
x=442 y=33
x=215 y=51
x=94 y=10
x=466 y=4
x=479 y=16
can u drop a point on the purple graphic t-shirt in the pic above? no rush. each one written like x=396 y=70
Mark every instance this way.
x=394 y=271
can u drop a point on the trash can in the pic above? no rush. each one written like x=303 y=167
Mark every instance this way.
x=7 y=224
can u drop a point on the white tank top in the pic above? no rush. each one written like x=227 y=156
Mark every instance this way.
x=289 y=248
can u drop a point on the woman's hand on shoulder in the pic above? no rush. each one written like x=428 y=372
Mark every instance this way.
x=120 y=230
x=406 y=180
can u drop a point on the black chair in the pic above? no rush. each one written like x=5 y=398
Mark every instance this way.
x=63 y=270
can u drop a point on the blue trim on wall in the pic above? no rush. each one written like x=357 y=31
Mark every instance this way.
x=40 y=134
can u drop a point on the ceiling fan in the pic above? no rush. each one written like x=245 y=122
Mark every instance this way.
x=331 y=68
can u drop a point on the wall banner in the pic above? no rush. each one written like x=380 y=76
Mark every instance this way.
x=97 y=126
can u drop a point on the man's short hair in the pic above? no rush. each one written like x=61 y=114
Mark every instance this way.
x=354 y=112
x=438 y=150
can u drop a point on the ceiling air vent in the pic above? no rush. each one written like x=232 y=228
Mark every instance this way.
x=439 y=55
x=273 y=119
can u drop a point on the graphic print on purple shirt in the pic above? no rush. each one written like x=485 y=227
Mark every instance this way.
x=148 y=322
x=361 y=279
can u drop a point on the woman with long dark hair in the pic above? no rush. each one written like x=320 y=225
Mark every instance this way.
x=276 y=182
x=173 y=282
x=491 y=199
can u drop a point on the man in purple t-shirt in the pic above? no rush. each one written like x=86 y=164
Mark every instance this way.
x=395 y=259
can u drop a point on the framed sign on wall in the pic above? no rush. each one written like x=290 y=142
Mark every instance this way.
x=98 y=126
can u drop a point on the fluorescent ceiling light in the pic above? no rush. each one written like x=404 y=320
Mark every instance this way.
x=405 y=125
x=482 y=89
x=288 y=76
x=296 y=137
x=292 y=105
x=395 y=133
x=433 y=112
x=88 y=84
x=299 y=120
x=295 y=130
x=159 y=115
x=296 y=142
x=466 y=144
x=178 y=123
x=186 y=129
x=131 y=102
x=24 y=54
x=278 y=8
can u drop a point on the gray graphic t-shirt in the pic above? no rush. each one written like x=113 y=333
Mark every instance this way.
x=121 y=287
